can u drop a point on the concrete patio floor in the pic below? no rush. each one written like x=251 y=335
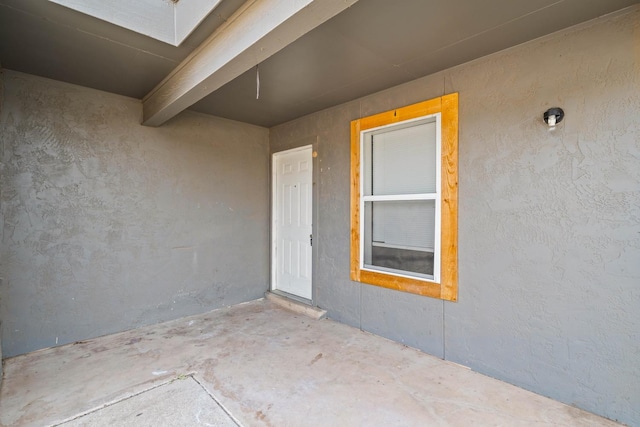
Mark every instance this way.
x=257 y=364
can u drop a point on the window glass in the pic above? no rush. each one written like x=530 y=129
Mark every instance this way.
x=400 y=235
x=401 y=161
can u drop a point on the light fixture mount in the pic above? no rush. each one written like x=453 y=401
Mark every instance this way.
x=553 y=116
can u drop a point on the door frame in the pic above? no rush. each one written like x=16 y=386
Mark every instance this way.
x=274 y=216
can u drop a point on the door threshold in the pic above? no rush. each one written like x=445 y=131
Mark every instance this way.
x=301 y=307
x=293 y=297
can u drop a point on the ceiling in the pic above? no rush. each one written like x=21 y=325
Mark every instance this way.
x=371 y=46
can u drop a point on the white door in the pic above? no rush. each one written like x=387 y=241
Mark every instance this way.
x=292 y=240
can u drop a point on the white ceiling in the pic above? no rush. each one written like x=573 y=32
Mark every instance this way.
x=371 y=46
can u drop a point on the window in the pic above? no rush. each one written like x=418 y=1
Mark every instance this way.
x=404 y=193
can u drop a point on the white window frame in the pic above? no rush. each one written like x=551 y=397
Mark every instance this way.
x=369 y=133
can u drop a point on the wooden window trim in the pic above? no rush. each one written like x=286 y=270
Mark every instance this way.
x=447 y=288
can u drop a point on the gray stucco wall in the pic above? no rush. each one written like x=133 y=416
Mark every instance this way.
x=549 y=221
x=109 y=225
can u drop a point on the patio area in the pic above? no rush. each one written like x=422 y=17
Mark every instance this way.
x=258 y=364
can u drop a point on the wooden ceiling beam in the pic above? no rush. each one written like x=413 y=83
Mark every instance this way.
x=259 y=29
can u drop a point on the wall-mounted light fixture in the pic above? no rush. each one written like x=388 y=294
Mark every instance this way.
x=553 y=116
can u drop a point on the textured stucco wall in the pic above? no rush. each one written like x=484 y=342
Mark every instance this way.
x=109 y=225
x=549 y=221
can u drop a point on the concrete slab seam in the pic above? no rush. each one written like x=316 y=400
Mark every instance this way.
x=213 y=397
x=122 y=399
